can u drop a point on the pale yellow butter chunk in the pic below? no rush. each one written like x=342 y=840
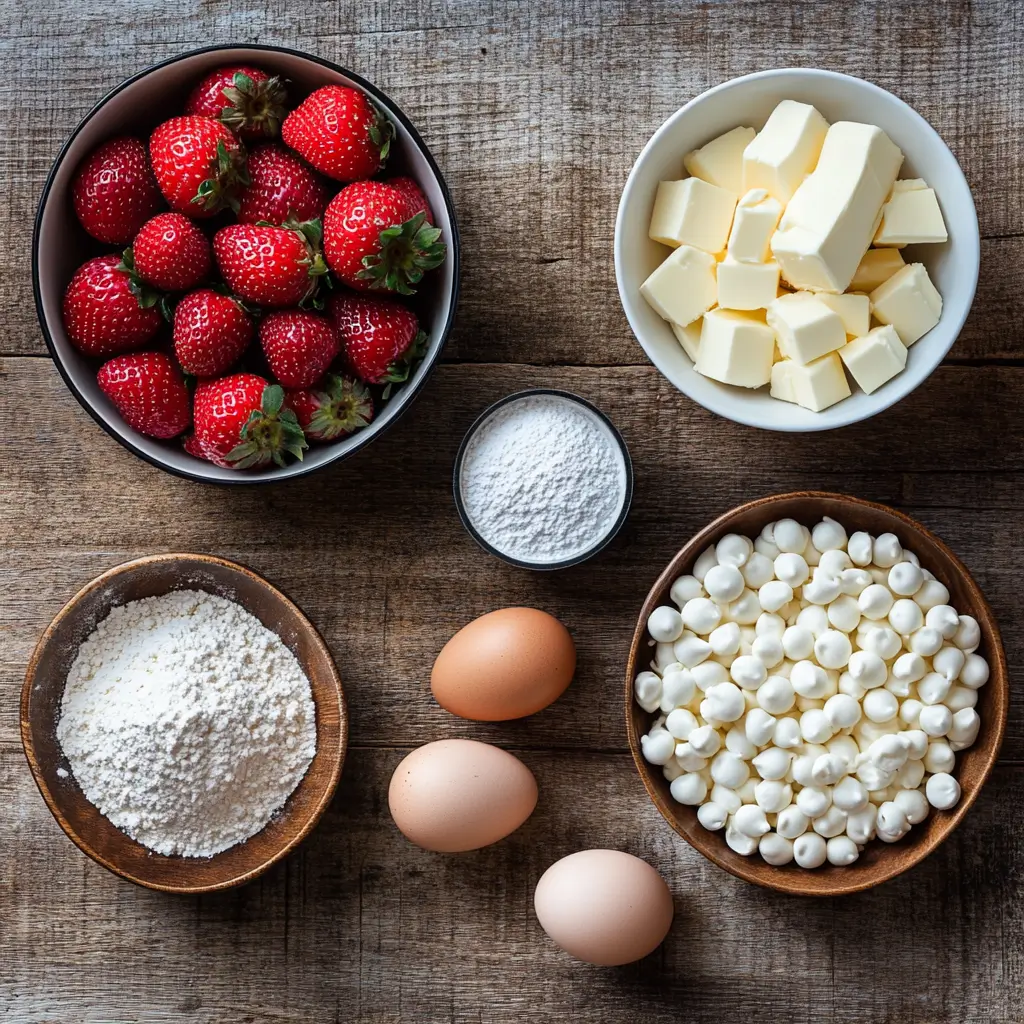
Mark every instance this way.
x=815 y=386
x=805 y=327
x=907 y=185
x=735 y=349
x=747 y=285
x=853 y=308
x=721 y=160
x=785 y=150
x=911 y=217
x=689 y=337
x=909 y=302
x=692 y=212
x=756 y=218
x=830 y=221
x=877 y=266
x=875 y=358
x=683 y=287
x=782 y=381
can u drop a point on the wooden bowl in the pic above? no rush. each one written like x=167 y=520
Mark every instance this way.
x=90 y=831
x=879 y=861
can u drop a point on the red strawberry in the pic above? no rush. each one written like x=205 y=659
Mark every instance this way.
x=241 y=423
x=199 y=165
x=244 y=98
x=299 y=346
x=271 y=266
x=149 y=393
x=211 y=331
x=102 y=314
x=170 y=252
x=334 y=408
x=410 y=187
x=380 y=339
x=281 y=186
x=340 y=132
x=375 y=238
x=114 y=191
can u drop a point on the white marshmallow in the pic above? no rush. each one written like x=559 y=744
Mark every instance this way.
x=688 y=758
x=726 y=798
x=853 y=582
x=822 y=588
x=745 y=609
x=872 y=777
x=790 y=536
x=843 y=613
x=916 y=742
x=787 y=733
x=943 y=791
x=880 y=705
x=712 y=816
x=724 y=582
x=809 y=850
x=910 y=776
x=925 y=641
x=868 y=669
x=814 y=802
x=849 y=795
x=913 y=803
x=748 y=671
x=964 y=730
x=665 y=624
x=738 y=842
x=905 y=579
x=792 y=568
x=704 y=739
x=775 y=594
x=686 y=588
x=768 y=650
x=960 y=697
x=736 y=742
x=842 y=711
x=906 y=616
x=677 y=690
x=689 y=789
x=701 y=615
x=725 y=639
x=680 y=723
x=775 y=849
x=828 y=535
x=828 y=769
x=759 y=726
x=949 y=662
x=882 y=641
x=658 y=746
x=663 y=657
x=705 y=560
x=891 y=823
x=673 y=769
x=933 y=688
x=831 y=823
x=647 y=688
x=841 y=851
x=707 y=674
x=860 y=548
x=757 y=570
x=939 y=757
x=729 y=770
x=932 y=592
x=875 y=601
x=766 y=547
x=772 y=763
x=968 y=634
x=770 y=625
x=791 y=822
x=845 y=747
x=975 y=672
x=690 y=650
x=797 y=643
x=772 y=795
x=751 y=821
x=814 y=619
x=888 y=753
x=833 y=649
x=935 y=719
x=809 y=680
x=834 y=563
x=908 y=668
x=776 y=695
x=860 y=825
x=803 y=763
x=815 y=727
x=886 y=551
x=943 y=618
x=733 y=550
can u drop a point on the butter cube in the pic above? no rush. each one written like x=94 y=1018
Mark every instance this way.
x=805 y=327
x=815 y=386
x=910 y=217
x=875 y=358
x=877 y=266
x=909 y=301
x=854 y=309
x=689 y=337
x=721 y=160
x=692 y=212
x=747 y=285
x=757 y=217
x=831 y=219
x=683 y=287
x=785 y=150
x=735 y=349
x=907 y=185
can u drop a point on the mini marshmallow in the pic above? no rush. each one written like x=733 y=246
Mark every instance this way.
x=975 y=672
x=663 y=657
x=726 y=798
x=648 y=688
x=745 y=846
x=791 y=822
x=886 y=551
x=866 y=731
x=882 y=641
x=701 y=615
x=751 y=821
x=680 y=723
x=828 y=535
x=943 y=618
x=935 y=719
x=658 y=746
x=792 y=568
x=939 y=757
x=868 y=669
x=736 y=742
x=688 y=758
x=831 y=823
x=906 y=616
x=768 y=650
x=766 y=548
x=704 y=740
x=733 y=550
x=814 y=802
x=875 y=601
x=772 y=795
x=814 y=619
x=775 y=849
x=822 y=588
x=888 y=753
x=776 y=695
x=916 y=742
x=724 y=583
x=691 y=650
x=872 y=777
x=665 y=624
x=964 y=730
x=891 y=823
x=833 y=649
x=677 y=690
x=968 y=634
x=841 y=851
x=842 y=711
x=905 y=579
x=828 y=769
x=803 y=763
x=845 y=747
x=745 y=609
x=775 y=595
x=729 y=770
x=942 y=791
x=932 y=592
x=673 y=769
x=960 y=697
x=925 y=641
x=797 y=643
x=712 y=816
x=834 y=563
x=707 y=674
x=880 y=705
x=705 y=560
x=853 y=582
x=949 y=662
x=860 y=548
x=748 y=671
x=809 y=680
x=787 y=733
x=809 y=850
x=757 y=570
x=815 y=727
x=759 y=726
x=850 y=686
x=770 y=625
x=908 y=668
x=849 y=795
x=914 y=805
x=932 y=689
x=910 y=776
x=772 y=763
x=860 y=825
x=686 y=588
x=790 y=536
x=689 y=789
x=844 y=613
x=725 y=639
x=746 y=791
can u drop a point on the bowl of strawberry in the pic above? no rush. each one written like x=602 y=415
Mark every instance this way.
x=245 y=263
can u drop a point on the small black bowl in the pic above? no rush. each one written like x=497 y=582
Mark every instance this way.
x=135 y=107
x=583 y=556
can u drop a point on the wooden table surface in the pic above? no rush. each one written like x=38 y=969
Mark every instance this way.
x=535 y=112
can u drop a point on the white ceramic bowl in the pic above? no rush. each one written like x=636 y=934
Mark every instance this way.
x=953 y=266
x=135 y=107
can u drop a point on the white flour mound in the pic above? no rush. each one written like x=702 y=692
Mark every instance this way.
x=187 y=722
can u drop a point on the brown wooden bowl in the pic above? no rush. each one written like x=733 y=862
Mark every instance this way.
x=94 y=834
x=879 y=861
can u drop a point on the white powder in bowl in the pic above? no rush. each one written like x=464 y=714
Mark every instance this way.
x=543 y=479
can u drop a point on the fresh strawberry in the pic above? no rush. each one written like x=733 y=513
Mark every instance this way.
x=211 y=331
x=170 y=253
x=114 y=191
x=334 y=408
x=241 y=423
x=374 y=237
x=340 y=132
x=102 y=314
x=149 y=393
x=199 y=165
x=281 y=186
x=244 y=98
x=299 y=346
x=271 y=266
x=380 y=339
x=410 y=187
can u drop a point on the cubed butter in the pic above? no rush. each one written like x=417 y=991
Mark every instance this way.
x=785 y=150
x=735 y=349
x=757 y=217
x=689 y=337
x=747 y=285
x=911 y=217
x=877 y=266
x=875 y=358
x=721 y=160
x=909 y=302
x=831 y=219
x=853 y=308
x=692 y=212
x=907 y=185
x=683 y=287
x=805 y=327
x=815 y=386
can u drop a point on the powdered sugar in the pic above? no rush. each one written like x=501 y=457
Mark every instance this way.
x=187 y=722
x=543 y=479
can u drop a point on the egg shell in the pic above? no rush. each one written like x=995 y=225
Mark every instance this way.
x=604 y=906
x=507 y=664
x=457 y=795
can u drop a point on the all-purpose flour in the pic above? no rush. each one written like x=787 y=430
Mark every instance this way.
x=187 y=722
x=543 y=479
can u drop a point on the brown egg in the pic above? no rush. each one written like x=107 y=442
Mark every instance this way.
x=456 y=795
x=604 y=906
x=506 y=664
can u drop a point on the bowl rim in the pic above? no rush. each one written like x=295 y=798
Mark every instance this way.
x=778 y=879
x=28 y=743
x=410 y=390
x=520 y=563
x=727 y=407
